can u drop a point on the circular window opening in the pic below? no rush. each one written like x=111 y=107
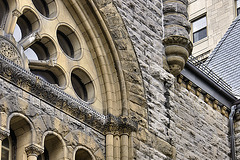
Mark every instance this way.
x=41 y=50
x=46 y=75
x=54 y=75
x=46 y=8
x=82 y=85
x=68 y=41
x=26 y=24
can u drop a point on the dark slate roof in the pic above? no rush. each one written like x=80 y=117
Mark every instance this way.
x=225 y=58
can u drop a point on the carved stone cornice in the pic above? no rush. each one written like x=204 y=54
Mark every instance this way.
x=4 y=134
x=56 y=97
x=177 y=51
x=34 y=150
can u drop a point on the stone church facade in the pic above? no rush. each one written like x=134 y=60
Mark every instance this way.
x=100 y=79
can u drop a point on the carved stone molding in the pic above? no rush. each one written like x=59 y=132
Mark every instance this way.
x=177 y=50
x=8 y=50
x=56 y=97
x=34 y=150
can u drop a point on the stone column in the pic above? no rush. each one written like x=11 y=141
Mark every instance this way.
x=15 y=14
x=3 y=134
x=116 y=149
x=124 y=146
x=33 y=151
x=109 y=146
x=178 y=47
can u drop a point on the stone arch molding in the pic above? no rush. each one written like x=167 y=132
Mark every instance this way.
x=113 y=49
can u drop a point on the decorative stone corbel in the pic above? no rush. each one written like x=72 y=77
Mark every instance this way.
x=177 y=51
x=178 y=47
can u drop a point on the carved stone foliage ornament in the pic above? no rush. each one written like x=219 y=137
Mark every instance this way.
x=56 y=97
x=177 y=50
x=8 y=50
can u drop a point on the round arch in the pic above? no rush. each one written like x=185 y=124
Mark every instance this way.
x=53 y=137
x=121 y=55
x=87 y=154
x=32 y=129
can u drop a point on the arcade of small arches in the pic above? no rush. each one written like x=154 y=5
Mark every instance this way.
x=19 y=141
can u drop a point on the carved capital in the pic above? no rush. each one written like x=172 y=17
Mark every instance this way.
x=34 y=150
x=16 y=13
x=177 y=51
x=4 y=134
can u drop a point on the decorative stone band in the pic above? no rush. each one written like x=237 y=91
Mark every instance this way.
x=177 y=51
x=4 y=134
x=56 y=97
x=34 y=150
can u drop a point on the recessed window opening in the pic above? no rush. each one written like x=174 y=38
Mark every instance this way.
x=82 y=154
x=199 y=29
x=238 y=7
x=46 y=75
x=79 y=87
x=5 y=149
x=24 y=25
x=3 y=11
x=65 y=44
x=82 y=85
x=68 y=41
x=47 y=8
x=38 y=51
x=41 y=6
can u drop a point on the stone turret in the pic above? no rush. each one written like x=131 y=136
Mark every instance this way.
x=178 y=47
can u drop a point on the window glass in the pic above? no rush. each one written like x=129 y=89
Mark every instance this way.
x=31 y=55
x=238 y=7
x=199 y=24
x=17 y=34
x=199 y=29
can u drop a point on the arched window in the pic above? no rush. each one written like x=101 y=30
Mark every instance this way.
x=53 y=148
x=5 y=149
x=82 y=154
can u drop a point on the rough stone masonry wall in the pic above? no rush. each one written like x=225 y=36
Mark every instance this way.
x=175 y=123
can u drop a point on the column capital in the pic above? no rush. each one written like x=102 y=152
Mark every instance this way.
x=4 y=134
x=34 y=150
x=16 y=13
